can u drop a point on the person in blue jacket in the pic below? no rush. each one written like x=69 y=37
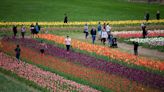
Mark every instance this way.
x=37 y=29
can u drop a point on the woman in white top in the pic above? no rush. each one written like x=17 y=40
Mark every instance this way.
x=68 y=43
x=104 y=36
x=108 y=28
x=23 y=30
x=86 y=31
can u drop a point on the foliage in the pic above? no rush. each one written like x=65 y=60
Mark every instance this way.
x=77 y=10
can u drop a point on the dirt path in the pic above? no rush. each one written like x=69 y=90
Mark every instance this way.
x=149 y=53
x=142 y=51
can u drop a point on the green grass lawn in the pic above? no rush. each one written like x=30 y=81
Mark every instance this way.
x=77 y=10
x=9 y=84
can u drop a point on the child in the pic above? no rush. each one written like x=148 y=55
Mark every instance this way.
x=43 y=46
x=114 y=42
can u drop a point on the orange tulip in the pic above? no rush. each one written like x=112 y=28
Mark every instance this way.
x=109 y=52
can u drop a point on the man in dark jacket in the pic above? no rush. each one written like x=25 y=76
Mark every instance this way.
x=147 y=16
x=144 y=32
x=65 y=18
x=93 y=33
x=135 y=48
x=14 y=30
x=158 y=15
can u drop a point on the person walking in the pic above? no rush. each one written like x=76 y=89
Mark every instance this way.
x=68 y=43
x=86 y=31
x=43 y=47
x=37 y=29
x=144 y=32
x=65 y=18
x=17 y=50
x=32 y=29
x=104 y=26
x=99 y=29
x=104 y=36
x=93 y=33
x=135 y=48
x=147 y=16
x=23 y=30
x=110 y=39
x=14 y=31
x=158 y=15
x=108 y=28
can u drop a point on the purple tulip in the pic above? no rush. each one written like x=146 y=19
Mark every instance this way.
x=140 y=76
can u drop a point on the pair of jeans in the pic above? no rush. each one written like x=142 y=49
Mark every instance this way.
x=86 y=35
x=68 y=47
x=93 y=38
x=18 y=56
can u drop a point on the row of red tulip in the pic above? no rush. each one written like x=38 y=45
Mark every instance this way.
x=137 y=34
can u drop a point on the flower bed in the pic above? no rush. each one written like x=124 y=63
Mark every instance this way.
x=91 y=62
x=157 y=41
x=137 y=34
x=93 y=76
x=43 y=78
x=105 y=51
x=126 y=22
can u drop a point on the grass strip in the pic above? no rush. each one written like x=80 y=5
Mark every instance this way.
x=27 y=82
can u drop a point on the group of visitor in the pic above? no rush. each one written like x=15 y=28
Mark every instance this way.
x=147 y=16
x=33 y=28
x=103 y=33
x=15 y=31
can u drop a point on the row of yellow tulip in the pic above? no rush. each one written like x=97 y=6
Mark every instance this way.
x=123 y=22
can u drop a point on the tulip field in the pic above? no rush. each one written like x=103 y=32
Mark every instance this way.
x=79 y=71
x=87 y=66
x=42 y=78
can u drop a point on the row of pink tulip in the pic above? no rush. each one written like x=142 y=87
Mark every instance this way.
x=132 y=34
x=43 y=78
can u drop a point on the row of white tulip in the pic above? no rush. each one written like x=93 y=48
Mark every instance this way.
x=135 y=32
x=157 y=41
